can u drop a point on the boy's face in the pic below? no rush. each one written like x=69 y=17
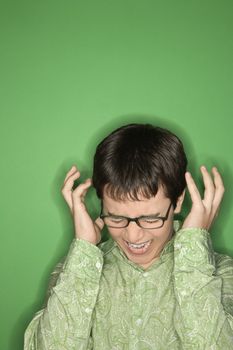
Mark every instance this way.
x=155 y=238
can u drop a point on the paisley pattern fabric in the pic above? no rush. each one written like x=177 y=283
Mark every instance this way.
x=99 y=300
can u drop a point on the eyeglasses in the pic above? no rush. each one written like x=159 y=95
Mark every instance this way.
x=146 y=222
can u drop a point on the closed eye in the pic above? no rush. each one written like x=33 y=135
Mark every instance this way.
x=116 y=218
x=150 y=220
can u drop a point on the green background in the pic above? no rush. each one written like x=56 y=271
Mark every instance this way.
x=71 y=71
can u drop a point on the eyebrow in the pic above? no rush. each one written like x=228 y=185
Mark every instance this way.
x=112 y=214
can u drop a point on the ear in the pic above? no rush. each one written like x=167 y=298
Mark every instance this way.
x=179 y=203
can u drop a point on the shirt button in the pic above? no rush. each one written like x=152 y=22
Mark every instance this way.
x=183 y=293
x=138 y=322
x=98 y=265
x=145 y=274
x=178 y=245
x=88 y=310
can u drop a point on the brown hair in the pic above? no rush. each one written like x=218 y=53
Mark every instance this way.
x=138 y=158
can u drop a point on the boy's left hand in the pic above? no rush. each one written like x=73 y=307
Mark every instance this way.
x=204 y=211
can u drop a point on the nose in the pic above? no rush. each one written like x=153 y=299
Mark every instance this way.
x=134 y=233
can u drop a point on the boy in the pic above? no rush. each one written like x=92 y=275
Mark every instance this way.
x=153 y=284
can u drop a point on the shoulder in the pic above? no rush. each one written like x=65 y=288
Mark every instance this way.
x=224 y=270
x=223 y=263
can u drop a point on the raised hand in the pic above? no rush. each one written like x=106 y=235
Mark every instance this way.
x=85 y=227
x=204 y=211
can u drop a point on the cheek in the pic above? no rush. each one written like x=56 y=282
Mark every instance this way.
x=161 y=234
x=115 y=233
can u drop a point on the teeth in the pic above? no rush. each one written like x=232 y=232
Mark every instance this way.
x=137 y=246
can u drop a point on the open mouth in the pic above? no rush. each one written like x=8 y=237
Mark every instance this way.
x=140 y=248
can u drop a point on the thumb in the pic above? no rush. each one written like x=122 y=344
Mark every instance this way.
x=99 y=222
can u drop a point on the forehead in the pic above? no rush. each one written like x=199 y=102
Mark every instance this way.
x=144 y=206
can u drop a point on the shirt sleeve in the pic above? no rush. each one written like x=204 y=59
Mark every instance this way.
x=66 y=320
x=204 y=291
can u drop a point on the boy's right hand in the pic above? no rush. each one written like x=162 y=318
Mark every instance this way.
x=85 y=227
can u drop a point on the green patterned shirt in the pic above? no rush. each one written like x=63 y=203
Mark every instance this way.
x=99 y=300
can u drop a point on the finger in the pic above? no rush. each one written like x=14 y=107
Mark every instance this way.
x=218 y=180
x=69 y=183
x=209 y=191
x=80 y=191
x=219 y=190
x=72 y=171
x=193 y=190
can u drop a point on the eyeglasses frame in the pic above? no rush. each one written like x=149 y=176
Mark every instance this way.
x=136 y=219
